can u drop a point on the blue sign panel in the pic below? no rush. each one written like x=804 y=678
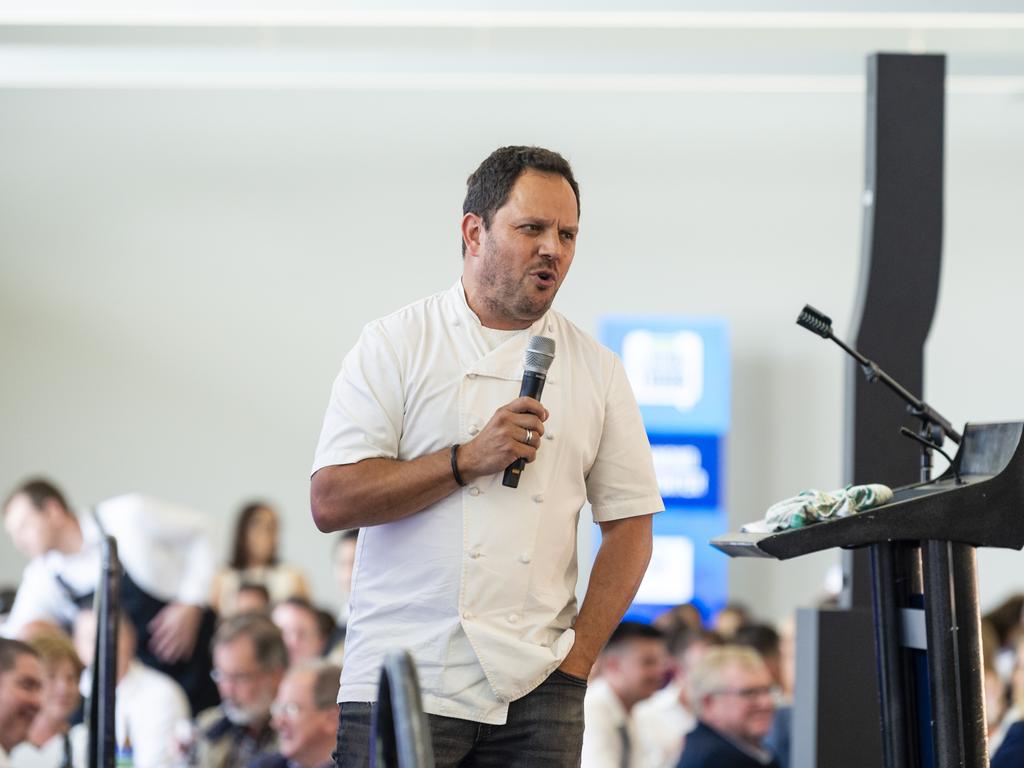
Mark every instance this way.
x=679 y=368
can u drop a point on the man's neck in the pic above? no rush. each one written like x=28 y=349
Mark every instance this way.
x=44 y=728
x=70 y=539
x=315 y=755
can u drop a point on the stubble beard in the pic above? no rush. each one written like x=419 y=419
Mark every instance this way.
x=509 y=297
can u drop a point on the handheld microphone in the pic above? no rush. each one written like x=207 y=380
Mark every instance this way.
x=540 y=352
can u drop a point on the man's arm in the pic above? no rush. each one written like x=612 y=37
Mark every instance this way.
x=618 y=570
x=375 y=491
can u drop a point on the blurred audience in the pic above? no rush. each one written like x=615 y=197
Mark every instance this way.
x=249 y=659
x=665 y=718
x=343 y=560
x=679 y=619
x=254 y=561
x=21 y=686
x=7 y=595
x=730 y=618
x=167 y=563
x=731 y=693
x=633 y=665
x=252 y=598
x=48 y=744
x=148 y=703
x=304 y=629
x=305 y=717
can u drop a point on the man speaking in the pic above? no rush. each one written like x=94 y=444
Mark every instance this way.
x=477 y=579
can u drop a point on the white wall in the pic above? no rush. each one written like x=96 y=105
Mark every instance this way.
x=182 y=270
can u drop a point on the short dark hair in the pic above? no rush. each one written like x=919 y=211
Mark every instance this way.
x=350 y=534
x=11 y=651
x=39 y=491
x=261 y=631
x=488 y=187
x=324 y=621
x=632 y=630
x=761 y=637
x=239 y=547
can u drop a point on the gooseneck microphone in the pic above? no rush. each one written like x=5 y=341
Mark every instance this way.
x=540 y=352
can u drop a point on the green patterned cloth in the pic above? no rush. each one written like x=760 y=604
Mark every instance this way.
x=813 y=506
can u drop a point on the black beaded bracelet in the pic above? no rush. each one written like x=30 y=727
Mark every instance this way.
x=455 y=467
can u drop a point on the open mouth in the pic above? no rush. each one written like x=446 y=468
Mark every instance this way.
x=544 y=277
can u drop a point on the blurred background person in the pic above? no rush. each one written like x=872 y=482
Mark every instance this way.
x=48 y=744
x=148 y=703
x=254 y=560
x=304 y=630
x=767 y=643
x=21 y=686
x=633 y=665
x=167 y=567
x=679 y=619
x=663 y=720
x=343 y=560
x=731 y=692
x=305 y=717
x=733 y=616
x=252 y=598
x=249 y=660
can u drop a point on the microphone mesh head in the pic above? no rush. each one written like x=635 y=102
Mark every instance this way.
x=540 y=352
x=815 y=321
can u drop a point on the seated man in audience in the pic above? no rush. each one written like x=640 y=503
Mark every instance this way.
x=633 y=665
x=48 y=744
x=167 y=569
x=663 y=720
x=305 y=717
x=148 y=704
x=21 y=685
x=252 y=598
x=305 y=635
x=249 y=660
x=731 y=692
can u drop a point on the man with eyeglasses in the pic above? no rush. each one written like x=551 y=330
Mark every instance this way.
x=731 y=693
x=305 y=717
x=249 y=660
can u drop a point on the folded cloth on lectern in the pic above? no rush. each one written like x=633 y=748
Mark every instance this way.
x=813 y=506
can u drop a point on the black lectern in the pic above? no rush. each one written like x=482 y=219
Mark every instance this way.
x=977 y=502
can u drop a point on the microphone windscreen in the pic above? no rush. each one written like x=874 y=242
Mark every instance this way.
x=815 y=321
x=540 y=352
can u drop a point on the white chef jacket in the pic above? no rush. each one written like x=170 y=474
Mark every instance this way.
x=480 y=587
x=164 y=548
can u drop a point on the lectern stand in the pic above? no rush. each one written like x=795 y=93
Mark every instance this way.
x=977 y=502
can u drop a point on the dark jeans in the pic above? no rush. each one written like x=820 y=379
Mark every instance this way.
x=543 y=729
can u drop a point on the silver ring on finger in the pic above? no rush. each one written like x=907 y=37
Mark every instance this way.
x=529 y=436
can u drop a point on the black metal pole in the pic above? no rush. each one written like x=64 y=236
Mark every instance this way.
x=107 y=607
x=953 y=624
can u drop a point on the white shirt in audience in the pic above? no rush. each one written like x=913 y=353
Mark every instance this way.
x=164 y=548
x=149 y=705
x=662 y=724
x=49 y=755
x=608 y=729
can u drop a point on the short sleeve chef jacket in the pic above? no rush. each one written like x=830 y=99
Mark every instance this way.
x=479 y=587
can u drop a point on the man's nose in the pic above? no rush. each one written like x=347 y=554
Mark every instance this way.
x=551 y=244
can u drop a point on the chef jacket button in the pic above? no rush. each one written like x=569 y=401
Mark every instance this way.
x=474 y=491
x=474 y=429
x=513 y=618
x=468 y=615
x=538 y=498
x=549 y=435
x=470 y=375
x=474 y=554
x=455 y=321
x=524 y=558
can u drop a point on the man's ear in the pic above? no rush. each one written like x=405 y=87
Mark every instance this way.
x=472 y=233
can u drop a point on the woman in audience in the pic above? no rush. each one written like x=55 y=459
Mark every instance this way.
x=48 y=745
x=254 y=562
